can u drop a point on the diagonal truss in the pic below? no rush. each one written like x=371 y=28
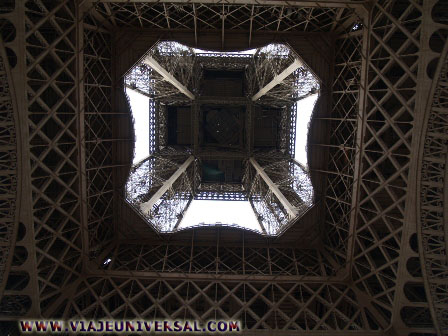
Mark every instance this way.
x=277 y=79
x=433 y=192
x=147 y=206
x=167 y=76
x=292 y=212
x=161 y=188
x=8 y=177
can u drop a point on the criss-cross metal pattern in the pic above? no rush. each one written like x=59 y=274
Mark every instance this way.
x=381 y=268
x=244 y=260
x=251 y=17
x=291 y=179
x=175 y=59
x=433 y=193
x=147 y=178
x=8 y=176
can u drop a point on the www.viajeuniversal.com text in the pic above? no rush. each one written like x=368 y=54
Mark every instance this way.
x=138 y=326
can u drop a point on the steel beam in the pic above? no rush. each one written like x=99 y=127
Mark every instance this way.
x=359 y=145
x=125 y=274
x=81 y=139
x=151 y=62
x=307 y=3
x=278 y=79
x=292 y=211
x=147 y=206
x=195 y=122
x=425 y=186
x=239 y=101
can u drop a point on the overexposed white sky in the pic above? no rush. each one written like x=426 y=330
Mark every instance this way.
x=243 y=52
x=304 y=111
x=223 y=212
x=140 y=112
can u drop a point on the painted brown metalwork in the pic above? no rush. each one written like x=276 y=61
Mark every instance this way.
x=378 y=265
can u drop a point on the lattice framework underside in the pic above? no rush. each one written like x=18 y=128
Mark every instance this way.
x=382 y=263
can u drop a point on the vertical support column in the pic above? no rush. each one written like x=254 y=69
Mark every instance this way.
x=8 y=169
x=195 y=114
x=217 y=251
x=81 y=134
x=195 y=108
x=425 y=89
x=243 y=252
x=361 y=125
x=190 y=261
x=24 y=201
x=250 y=111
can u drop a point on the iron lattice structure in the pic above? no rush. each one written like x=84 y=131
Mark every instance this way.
x=379 y=264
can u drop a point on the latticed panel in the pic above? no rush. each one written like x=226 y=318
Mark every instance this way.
x=144 y=80
x=99 y=137
x=8 y=176
x=177 y=59
x=169 y=210
x=220 y=191
x=434 y=194
x=209 y=16
x=236 y=260
x=287 y=125
x=292 y=179
x=51 y=77
x=149 y=176
x=297 y=86
x=270 y=213
x=390 y=110
x=288 y=306
x=345 y=97
x=269 y=62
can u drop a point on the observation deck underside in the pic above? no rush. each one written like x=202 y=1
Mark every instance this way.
x=222 y=128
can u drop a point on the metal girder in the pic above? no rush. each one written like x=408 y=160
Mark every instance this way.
x=148 y=60
x=312 y=3
x=239 y=101
x=359 y=144
x=292 y=211
x=147 y=206
x=213 y=276
x=278 y=79
x=9 y=220
x=432 y=179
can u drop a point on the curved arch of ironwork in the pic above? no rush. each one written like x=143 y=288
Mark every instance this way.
x=433 y=197
x=8 y=165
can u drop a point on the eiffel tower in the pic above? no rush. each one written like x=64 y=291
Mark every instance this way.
x=355 y=243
